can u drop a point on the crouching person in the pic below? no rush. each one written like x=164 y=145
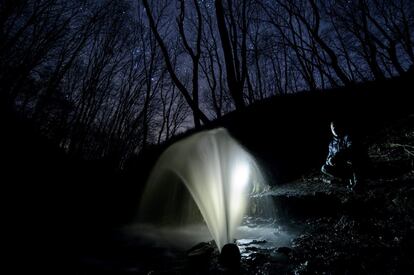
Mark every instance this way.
x=342 y=164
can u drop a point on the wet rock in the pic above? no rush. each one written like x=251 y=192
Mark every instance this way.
x=230 y=255
x=284 y=250
x=257 y=259
x=251 y=248
x=201 y=251
x=250 y=242
x=280 y=258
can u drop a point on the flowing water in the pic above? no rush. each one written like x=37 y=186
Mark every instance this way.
x=207 y=178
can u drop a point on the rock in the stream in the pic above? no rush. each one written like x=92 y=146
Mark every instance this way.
x=230 y=255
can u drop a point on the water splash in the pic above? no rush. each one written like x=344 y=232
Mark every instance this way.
x=217 y=172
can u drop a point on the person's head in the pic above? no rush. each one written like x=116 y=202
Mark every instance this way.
x=337 y=128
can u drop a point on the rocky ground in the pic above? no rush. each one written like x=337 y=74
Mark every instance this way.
x=366 y=231
x=369 y=230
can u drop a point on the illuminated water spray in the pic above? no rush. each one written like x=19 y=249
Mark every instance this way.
x=217 y=172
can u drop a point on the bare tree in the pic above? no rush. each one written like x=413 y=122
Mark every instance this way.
x=235 y=57
x=193 y=101
x=173 y=113
x=212 y=66
x=103 y=81
x=374 y=31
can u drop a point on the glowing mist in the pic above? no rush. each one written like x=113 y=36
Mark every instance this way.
x=218 y=173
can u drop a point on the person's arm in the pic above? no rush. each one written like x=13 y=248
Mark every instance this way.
x=331 y=154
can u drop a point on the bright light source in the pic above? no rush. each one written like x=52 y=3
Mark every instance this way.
x=240 y=176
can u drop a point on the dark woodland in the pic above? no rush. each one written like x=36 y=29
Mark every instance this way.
x=93 y=92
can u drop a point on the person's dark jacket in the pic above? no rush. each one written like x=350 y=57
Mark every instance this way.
x=340 y=151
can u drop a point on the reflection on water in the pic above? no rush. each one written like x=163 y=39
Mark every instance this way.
x=254 y=232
